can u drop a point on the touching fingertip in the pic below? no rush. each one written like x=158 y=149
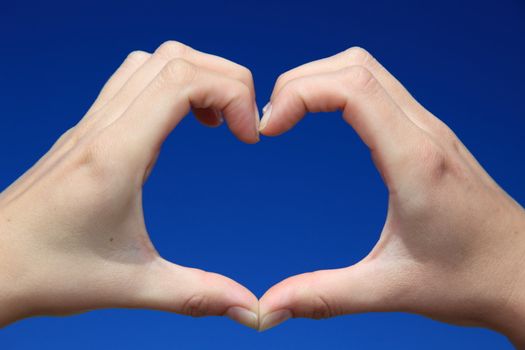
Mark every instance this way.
x=267 y=113
x=218 y=115
x=274 y=319
x=266 y=107
x=243 y=316
x=257 y=121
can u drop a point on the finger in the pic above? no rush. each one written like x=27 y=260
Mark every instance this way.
x=364 y=287
x=117 y=80
x=208 y=117
x=165 y=53
x=366 y=106
x=170 y=287
x=178 y=87
x=130 y=65
x=357 y=56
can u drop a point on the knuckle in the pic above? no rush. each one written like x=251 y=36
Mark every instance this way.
x=358 y=55
x=245 y=74
x=178 y=72
x=281 y=79
x=90 y=154
x=242 y=91
x=445 y=134
x=86 y=166
x=237 y=95
x=430 y=168
x=360 y=79
x=237 y=92
x=170 y=49
x=292 y=87
x=433 y=161
x=137 y=57
x=456 y=144
x=196 y=306
x=68 y=139
x=425 y=165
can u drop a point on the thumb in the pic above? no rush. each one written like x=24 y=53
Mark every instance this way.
x=366 y=286
x=170 y=287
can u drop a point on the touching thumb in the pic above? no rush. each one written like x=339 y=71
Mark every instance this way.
x=170 y=287
x=366 y=286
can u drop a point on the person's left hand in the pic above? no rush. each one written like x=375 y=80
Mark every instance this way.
x=72 y=231
x=453 y=243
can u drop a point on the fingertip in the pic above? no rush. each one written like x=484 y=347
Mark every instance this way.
x=274 y=319
x=218 y=120
x=273 y=122
x=243 y=316
x=267 y=113
x=306 y=295
x=251 y=140
x=243 y=121
x=277 y=304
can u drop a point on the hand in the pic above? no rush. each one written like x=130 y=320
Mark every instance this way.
x=453 y=245
x=72 y=232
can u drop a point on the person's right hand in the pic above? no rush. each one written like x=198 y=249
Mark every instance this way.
x=453 y=245
x=72 y=231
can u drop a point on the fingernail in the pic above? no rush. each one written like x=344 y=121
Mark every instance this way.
x=243 y=316
x=266 y=107
x=267 y=112
x=216 y=113
x=219 y=117
x=257 y=119
x=274 y=318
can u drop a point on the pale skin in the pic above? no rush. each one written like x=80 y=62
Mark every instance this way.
x=73 y=237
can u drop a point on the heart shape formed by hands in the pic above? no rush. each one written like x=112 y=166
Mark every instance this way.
x=86 y=226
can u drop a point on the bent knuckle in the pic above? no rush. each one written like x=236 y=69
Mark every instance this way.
x=68 y=139
x=358 y=55
x=236 y=97
x=455 y=144
x=360 y=79
x=293 y=87
x=137 y=57
x=282 y=79
x=240 y=91
x=172 y=48
x=178 y=72
x=245 y=74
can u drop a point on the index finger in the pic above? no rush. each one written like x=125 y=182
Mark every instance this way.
x=365 y=104
x=180 y=86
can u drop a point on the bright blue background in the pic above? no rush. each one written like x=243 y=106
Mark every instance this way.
x=307 y=200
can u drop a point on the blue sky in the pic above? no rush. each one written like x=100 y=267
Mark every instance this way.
x=310 y=199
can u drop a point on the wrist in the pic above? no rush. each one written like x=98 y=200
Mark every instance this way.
x=512 y=323
x=12 y=305
x=509 y=315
